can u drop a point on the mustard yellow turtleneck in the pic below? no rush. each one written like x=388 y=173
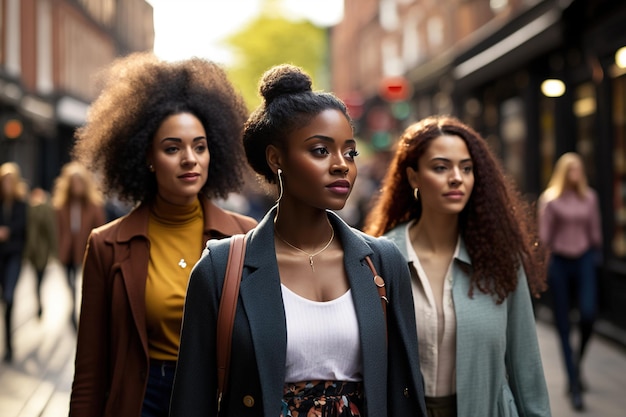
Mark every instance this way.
x=176 y=243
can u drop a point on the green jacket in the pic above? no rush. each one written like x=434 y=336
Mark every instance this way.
x=41 y=240
x=498 y=363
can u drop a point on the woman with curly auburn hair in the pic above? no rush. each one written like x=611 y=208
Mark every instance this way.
x=13 y=213
x=467 y=236
x=165 y=137
x=79 y=209
x=570 y=226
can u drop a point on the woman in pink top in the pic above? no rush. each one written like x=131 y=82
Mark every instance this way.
x=569 y=224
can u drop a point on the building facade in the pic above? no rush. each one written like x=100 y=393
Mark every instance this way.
x=537 y=78
x=49 y=52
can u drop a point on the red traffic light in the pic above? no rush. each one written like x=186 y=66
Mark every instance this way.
x=395 y=89
x=13 y=129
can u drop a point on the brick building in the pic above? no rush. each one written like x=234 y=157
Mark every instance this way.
x=49 y=51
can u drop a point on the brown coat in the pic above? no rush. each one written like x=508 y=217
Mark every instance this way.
x=72 y=246
x=112 y=362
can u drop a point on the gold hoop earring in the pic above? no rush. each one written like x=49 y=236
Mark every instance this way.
x=416 y=194
x=150 y=168
x=280 y=184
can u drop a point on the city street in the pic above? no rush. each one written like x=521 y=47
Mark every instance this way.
x=38 y=382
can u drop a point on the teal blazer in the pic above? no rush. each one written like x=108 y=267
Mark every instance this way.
x=391 y=376
x=498 y=363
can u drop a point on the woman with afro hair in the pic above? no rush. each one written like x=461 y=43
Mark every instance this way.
x=310 y=334
x=165 y=137
x=468 y=239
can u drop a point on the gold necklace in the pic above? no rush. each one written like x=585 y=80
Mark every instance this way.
x=310 y=255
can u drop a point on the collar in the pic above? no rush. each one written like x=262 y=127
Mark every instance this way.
x=217 y=221
x=399 y=236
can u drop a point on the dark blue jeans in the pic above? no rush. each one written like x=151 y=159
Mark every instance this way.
x=10 y=267
x=156 y=402
x=579 y=275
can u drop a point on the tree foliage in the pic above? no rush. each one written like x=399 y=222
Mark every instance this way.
x=270 y=40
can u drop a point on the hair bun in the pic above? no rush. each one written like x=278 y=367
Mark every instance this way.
x=283 y=79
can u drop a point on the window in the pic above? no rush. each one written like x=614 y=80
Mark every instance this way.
x=584 y=108
x=513 y=134
x=618 y=241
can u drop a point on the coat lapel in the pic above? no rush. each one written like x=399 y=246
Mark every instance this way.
x=372 y=326
x=261 y=296
x=132 y=252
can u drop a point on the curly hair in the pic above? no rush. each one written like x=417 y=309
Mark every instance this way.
x=139 y=92
x=288 y=104
x=61 y=191
x=497 y=224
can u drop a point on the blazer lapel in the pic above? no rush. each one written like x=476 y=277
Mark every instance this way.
x=261 y=297
x=369 y=311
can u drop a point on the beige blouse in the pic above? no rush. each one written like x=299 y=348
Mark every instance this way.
x=436 y=328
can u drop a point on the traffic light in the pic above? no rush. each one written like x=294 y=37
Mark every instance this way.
x=395 y=89
x=12 y=128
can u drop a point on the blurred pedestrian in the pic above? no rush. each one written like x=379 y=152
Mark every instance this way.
x=41 y=237
x=12 y=239
x=115 y=208
x=310 y=332
x=569 y=225
x=79 y=208
x=467 y=237
x=165 y=137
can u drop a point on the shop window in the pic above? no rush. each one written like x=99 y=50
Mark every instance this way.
x=513 y=134
x=547 y=139
x=584 y=108
x=12 y=32
x=618 y=241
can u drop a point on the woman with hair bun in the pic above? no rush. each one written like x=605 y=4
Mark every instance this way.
x=165 y=137
x=310 y=335
x=469 y=241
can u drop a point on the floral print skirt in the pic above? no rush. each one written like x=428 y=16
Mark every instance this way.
x=322 y=399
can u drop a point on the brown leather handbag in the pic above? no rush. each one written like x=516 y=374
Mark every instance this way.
x=228 y=307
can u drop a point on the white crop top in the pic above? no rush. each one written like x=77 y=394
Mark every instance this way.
x=323 y=340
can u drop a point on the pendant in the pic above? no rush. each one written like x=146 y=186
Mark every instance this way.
x=182 y=263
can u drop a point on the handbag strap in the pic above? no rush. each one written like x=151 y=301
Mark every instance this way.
x=380 y=284
x=227 y=309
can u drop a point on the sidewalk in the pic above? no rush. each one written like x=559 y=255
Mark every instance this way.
x=38 y=382
x=604 y=373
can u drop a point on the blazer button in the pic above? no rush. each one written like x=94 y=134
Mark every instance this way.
x=406 y=392
x=248 y=401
